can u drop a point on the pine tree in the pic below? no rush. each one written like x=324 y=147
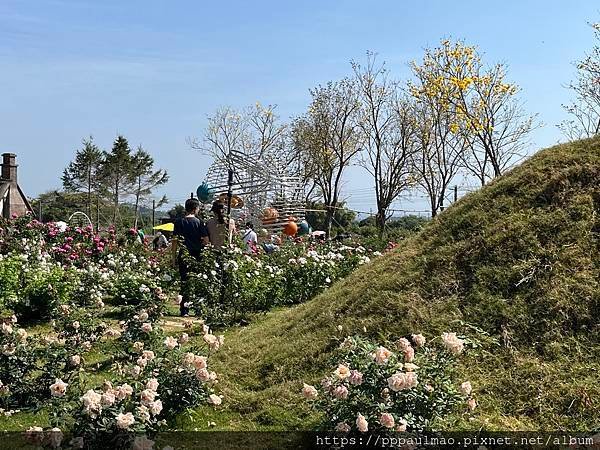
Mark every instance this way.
x=82 y=174
x=146 y=178
x=118 y=173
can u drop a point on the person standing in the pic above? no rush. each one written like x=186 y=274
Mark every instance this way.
x=250 y=238
x=218 y=231
x=194 y=234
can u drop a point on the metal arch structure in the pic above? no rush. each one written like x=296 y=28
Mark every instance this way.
x=262 y=181
x=79 y=215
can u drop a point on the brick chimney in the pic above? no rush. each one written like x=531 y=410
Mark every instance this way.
x=9 y=167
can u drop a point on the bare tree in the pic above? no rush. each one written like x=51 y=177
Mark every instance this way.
x=440 y=152
x=328 y=137
x=388 y=133
x=585 y=110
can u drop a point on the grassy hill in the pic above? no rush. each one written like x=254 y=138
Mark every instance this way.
x=515 y=265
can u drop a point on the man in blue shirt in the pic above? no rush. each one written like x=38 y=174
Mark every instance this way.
x=194 y=234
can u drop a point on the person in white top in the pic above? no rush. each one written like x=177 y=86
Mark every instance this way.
x=250 y=238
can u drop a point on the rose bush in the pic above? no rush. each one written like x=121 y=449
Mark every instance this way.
x=224 y=287
x=403 y=388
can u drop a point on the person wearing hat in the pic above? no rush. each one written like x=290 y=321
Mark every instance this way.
x=218 y=232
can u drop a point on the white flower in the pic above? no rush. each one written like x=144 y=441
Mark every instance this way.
x=361 y=423
x=214 y=399
x=466 y=388
x=124 y=421
x=75 y=360
x=453 y=344
x=59 y=388
x=124 y=391
x=108 y=399
x=143 y=413
x=146 y=327
x=156 y=407
x=171 y=342
x=152 y=384
x=147 y=396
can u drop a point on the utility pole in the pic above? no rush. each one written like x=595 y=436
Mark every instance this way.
x=153 y=210
x=455 y=193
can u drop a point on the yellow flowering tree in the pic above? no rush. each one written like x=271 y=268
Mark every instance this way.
x=480 y=104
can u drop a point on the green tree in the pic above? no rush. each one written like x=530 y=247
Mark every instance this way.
x=328 y=136
x=117 y=173
x=176 y=212
x=146 y=179
x=82 y=174
x=342 y=219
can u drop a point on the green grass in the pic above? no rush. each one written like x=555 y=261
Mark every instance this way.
x=518 y=260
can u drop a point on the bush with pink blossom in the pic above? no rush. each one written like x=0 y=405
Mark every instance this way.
x=404 y=386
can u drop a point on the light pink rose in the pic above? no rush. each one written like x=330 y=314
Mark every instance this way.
x=471 y=404
x=124 y=391
x=361 y=423
x=147 y=397
x=202 y=375
x=309 y=392
x=146 y=327
x=387 y=420
x=341 y=392
x=214 y=400
x=382 y=355
x=466 y=388
x=418 y=339
x=156 y=407
x=124 y=421
x=170 y=342
x=453 y=344
x=107 y=399
x=342 y=372
x=184 y=338
x=59 y=388
x=355 y=378
x=152 y=384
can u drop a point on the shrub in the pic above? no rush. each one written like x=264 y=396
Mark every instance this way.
x=375 y=389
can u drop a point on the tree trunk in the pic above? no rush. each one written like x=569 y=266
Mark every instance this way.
x=380 y=220
x=137 y=204
x=329 y=220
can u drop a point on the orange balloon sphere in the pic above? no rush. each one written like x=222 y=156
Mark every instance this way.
x=290 y=229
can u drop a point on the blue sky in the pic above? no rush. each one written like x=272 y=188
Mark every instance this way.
x=153 y=70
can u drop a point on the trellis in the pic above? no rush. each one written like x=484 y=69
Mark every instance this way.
x=262 y=181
